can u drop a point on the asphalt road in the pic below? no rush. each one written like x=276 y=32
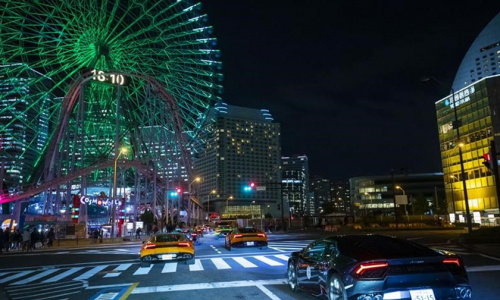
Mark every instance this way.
x=113 y=272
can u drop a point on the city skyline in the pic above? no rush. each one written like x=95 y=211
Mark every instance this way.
x=345 y=83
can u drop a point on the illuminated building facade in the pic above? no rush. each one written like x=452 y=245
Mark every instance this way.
x=21 y=145
x=295 y=184
x=320 y=187
x=476 y=107
x=341 y=197
x=242 y=145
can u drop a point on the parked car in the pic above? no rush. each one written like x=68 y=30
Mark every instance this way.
x=167 y=247
x=376 y=267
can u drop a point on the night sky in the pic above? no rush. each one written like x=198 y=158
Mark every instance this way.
x=344 y=77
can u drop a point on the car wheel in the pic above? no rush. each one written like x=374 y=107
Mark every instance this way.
x=336 y=289
x=292 y=277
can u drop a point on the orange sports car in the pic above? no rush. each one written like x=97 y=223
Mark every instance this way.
x=246 y=237
x=166 y=247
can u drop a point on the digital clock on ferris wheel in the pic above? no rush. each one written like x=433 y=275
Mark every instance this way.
x=109 y=77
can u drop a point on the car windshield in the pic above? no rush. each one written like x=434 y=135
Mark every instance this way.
x=377 y=247
x=167 y=238
x=247 y=230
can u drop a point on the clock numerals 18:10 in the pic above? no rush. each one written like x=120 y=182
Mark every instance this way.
x=102 y=76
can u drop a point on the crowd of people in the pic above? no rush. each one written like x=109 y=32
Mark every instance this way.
x=26 y=240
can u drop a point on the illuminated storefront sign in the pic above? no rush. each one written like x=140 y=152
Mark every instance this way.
x=99 y=201
x=460 y=97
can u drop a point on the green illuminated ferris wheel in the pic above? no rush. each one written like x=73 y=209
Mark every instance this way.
x=91 y=74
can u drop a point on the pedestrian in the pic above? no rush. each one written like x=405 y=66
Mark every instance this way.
x=1 y=240
x=6 y=239
x=138 y=233
x=95 y=236
x=35 y=239
x=26 y=240
x=50 y=237
x=17 y=238
x=101 y=235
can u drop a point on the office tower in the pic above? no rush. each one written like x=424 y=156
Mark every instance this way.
x=295 y=183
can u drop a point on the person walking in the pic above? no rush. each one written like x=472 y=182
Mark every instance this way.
x=50 y=237
x=1 y=240
x=138 y=233
x=6 y=239
x=26 y=240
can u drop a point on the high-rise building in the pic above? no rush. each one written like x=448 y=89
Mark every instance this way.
x=475 y=107
x=21 y=145
x=483 y=57
x=320 y=187
x=295 y=184
x=341 y=198
x=467 y=118
x=241 y=146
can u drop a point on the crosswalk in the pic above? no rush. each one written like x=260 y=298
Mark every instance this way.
x=52 y=275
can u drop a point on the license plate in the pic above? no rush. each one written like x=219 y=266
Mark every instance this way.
x=426 y=294
x=250 y=243
x=168 y=256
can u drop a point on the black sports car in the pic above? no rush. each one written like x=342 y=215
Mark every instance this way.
x=377 y=267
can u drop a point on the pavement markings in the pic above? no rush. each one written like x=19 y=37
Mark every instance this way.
x=15 y=276
x=244 y=262
x=220 y=263
x=268 y=261
x=281 y=256
x=117 y=270
x=205 y=286
x=169 y=267
x=36 y=277
x=143 y=270
x=91 y=273
x=197 y=266
x=63 y=275
x=488 y=268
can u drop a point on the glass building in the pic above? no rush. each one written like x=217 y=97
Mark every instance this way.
x=295 y=184
x=476 y=107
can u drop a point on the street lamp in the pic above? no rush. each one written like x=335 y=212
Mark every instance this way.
x=113 y=202
x=404 y=194
x=456 y=125
x=453 y=199
x=227 y=203
x=208 y=203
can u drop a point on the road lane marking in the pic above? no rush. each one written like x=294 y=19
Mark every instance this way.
x=91 y=273
x=267 y=292
x=490 y=257
x=244 y=262
x=62 y=275
x=129 y=291
x=483 y=268
x=268 y=261
x=117 y=270
x=220 y=263
x=208 y=285
x=38 y=276
x=281 y=256
x=15 y=276
x=197 y=266
x=169 y=267
x=143 y=270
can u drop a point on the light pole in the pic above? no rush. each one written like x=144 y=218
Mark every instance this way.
x=404 y=194
x=191 y=208
x=208 y=203
x=456 y=125
x=113 y=202
x=227 y=203
x=453 y=199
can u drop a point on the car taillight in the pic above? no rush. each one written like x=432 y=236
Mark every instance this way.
x=183 y=244
x=371 y=270
x=261 y=235
x=238 y=236
x=452 y=261
x=150 y=246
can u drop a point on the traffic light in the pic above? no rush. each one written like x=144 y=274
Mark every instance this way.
x=487 y=162
x=250 y=187
x=176 y=192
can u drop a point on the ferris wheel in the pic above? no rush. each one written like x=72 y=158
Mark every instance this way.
x=48 y=45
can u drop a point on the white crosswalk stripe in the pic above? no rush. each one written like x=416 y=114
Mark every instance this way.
x=113 y=271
